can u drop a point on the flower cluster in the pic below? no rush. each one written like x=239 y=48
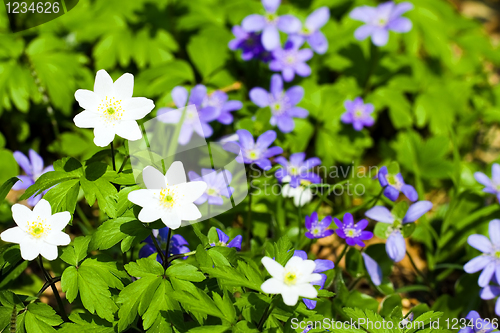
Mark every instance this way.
x=34 y=168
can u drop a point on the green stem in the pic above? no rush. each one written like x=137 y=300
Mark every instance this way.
x=374 y=60
x=249 y=223
x=82 y=217
x=158 y=248
x=265 y=315
x=123 y=164
x=167 y=250
x=419 y=272
x=344 y=251
x=113 y=156
x=182 y=255
x=49 y=279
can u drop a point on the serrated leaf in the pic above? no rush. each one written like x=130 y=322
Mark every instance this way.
x=5 y=188
x=183 y=271
x=145 y=267
x=46 y=181
x=63 y=196
x=102 y=191
x=77 y=251
x=112 y=231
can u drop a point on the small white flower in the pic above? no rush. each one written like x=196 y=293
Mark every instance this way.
x=291 y=281
x=301 y=195
x=37 y=231
x=168 y=197
x=110 y=109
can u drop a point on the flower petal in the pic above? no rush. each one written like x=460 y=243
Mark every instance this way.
x=149 y=214
x=273 y=267
x=396 y=246
x=191 y=191
x=271 y=6
x=171 y=220
x=189 y=212
x=13 y=235
x=266 y=139
x=128 y=129
x=253 y=23
x=483 y=179
x=318 y=18
x=318 y=42
x=103 y=85
x=58 y=238
x=494 y=232
x=259 y=97
x=86 y=119
x=373 y=269
x=380 y=214
x=103 y=136
x=380 y=37
x=289 y=24
x=236 y=242
x=400 y=24
x=180 y=96
x=323 y=265
x=153 y=179
x=486 y=274
x=245 y=138
x=23 y=162
x=410 y=192
x=363 y=13
x=480 y=242
x=417 y=210
x=476 y=264
x=21 y=215
x=29 y=249
x=59 y=221
x=175 y=174
x=272 y=286
x=123 y=88
x=137 y=108
x=270 y=38
x=87 y=99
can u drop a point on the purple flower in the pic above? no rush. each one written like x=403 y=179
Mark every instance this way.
x=373 y=269
x=310 y=32
x=316 y=228
x=270 y=23
x=378 y=21
x=217 y=186
x=395 y=245
x=281 y=103
x=178 y=245
x=493 y=184
x=218 y=100
x=297 y=169
x=358 y=114
x=289 y=60
x=489 y=261
x=248 y=42
x=393 y=184
x=33 y=167
x=353 y=234
x=254 y=152
x=322 y=265
x=480 y=325
x=191 y=123
x=490 y=292
x=224 y=240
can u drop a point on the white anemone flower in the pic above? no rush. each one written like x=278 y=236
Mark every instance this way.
x=168 y=197
x=37 y=231
x=291 y=281
x=110 y=109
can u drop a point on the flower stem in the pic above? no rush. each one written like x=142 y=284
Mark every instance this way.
x=182 y=255
x=266 y=314
x=158 y=248
x=113 y=156
x=249 y=223
x=123 y=164
x=52 y=282
x=419 y=272
x=167 y=250
x=344 y=251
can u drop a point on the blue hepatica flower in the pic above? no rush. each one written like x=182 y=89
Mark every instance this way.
x=297 y=170
x=224 y=240
x=394 y=183
x=270 y=23
x=479 y=325
x=310 y=31
x=373 y=269
x=257 y=152
x=248 y=42
x=322 y=265
x=219 y=100
x=282 y=104
x=316 y=228
x=354 y=234
x=489 y=261
x=490 y=292
x=191 y=123
x=217 y=186
x=380 y=20
x=358 y=114
x=493 y=184
x=289 y=60
x=34 y=168
x=178 y=245
x=395 y=245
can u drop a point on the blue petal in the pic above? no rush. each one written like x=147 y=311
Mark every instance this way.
x=396 y=246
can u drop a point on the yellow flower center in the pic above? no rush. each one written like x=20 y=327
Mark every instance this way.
x=167 y=198
x=38 y=228
x=252 y=154
x=497 y=254
x=111 y=110
x=290 y=278
x=211 y=192
x=381 y=22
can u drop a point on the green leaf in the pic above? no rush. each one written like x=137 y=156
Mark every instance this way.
x=209 y=329
x=208 y=50
x=393 y=168
x=408 y=229
x=46 y=181
x=102 y=190
x=354 y=261
x=380 y=230
x=76 y=252
x=5 y=188
x=400 y=209
x=63 y=196
x=113 y=231
x=45 y=313
x=284 y=250
x=34 y=325
x=183 y=271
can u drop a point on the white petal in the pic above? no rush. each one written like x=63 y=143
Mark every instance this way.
x=273 y=267
x=58 y=238
x=13 y=235
x=87 y=99
x=29 y=249
x=306 y=290
x=86 y=119
x=191 y=191
x=59 y=221
x=48 y=251
x=290 y=297
x=103 y=85
x=311 y=278
x=142 y=197
x=150 y=214
x=123 y=88
x=176 y=174
x=272 y=286
x=189 y=212
x=137 y=108
x=42 y=209
x=21 y=215
x=103 y=136
x=153 y=178
x=171 y=220
x=128 y=129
